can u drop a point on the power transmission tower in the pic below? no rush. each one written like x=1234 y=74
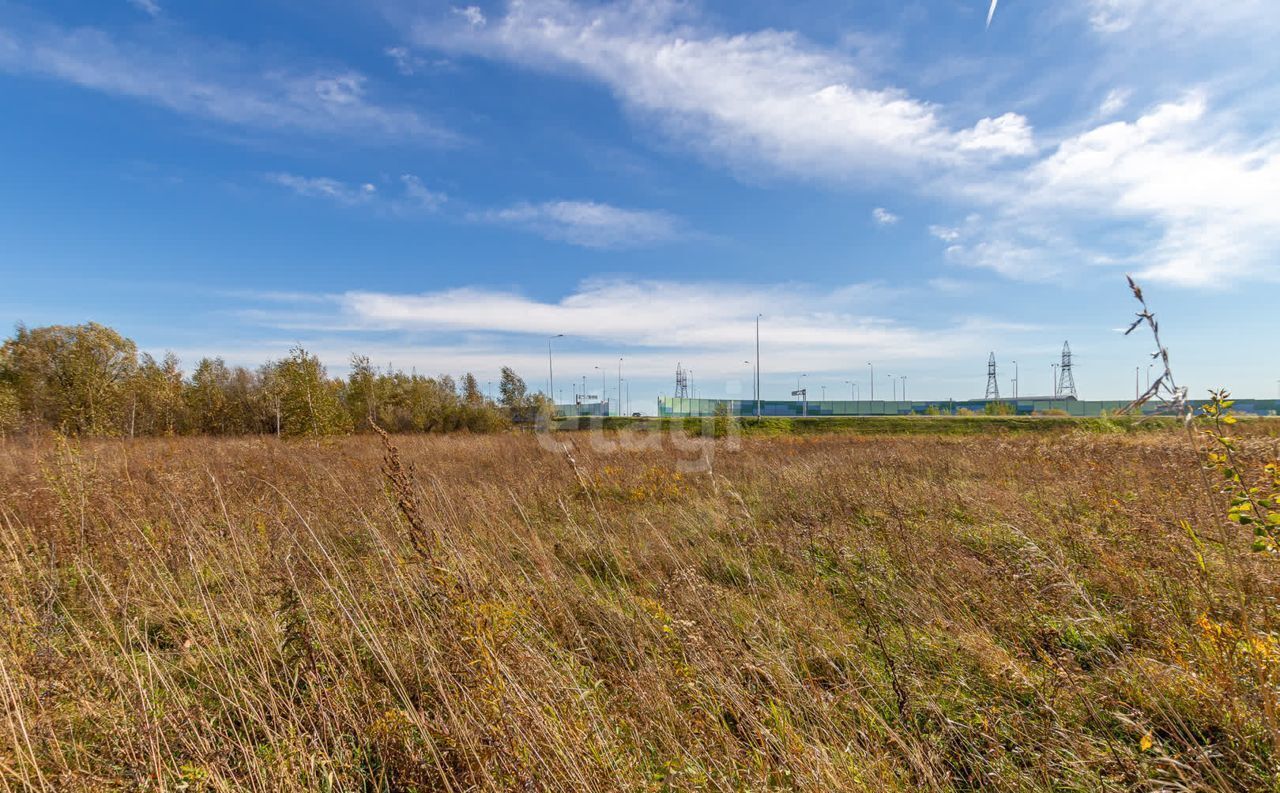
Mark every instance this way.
x=1066 y=381
x=993 y=383
x=682 y=383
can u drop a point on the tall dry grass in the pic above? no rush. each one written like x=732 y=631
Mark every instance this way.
x=825 y=613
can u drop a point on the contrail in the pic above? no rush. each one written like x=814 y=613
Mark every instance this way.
x=991 y=12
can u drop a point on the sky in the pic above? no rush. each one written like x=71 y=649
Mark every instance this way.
x=893 y=186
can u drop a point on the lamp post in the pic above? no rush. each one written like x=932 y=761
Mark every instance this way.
x=894 y=385
x=1015 y=379
x=758 y=316
x=620 y=404
x=603 y=388
x=1055 y=380
x=852 y=385
x=1149 y=375
x=904 y=388
x=873 y=381
x=1136 y=393
x=551 y=372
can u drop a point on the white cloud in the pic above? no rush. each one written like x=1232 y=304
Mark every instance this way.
x=808 y=328
x=147 y=6
x=418 y=197
x=587 y=223
x=1117 y=16
x=213 y=82
x=1116 y=100
x=884 y=217
x=414 y=196
x=472 y=14
x=763 y=100
x=1170 y=195
x=323 y=187
x=945 y=233
x=406 y=62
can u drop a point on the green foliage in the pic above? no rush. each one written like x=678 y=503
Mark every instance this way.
x=157 y=403
x=723 y=421
x=309 y=401
x=89 y=380
x=520 y=405
x=222 y=400
x=513 y=393
x=999 y=409
x=1252 y=490
x=362 y=394
x=72 y=377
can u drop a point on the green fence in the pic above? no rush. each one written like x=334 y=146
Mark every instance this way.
x=680 y=406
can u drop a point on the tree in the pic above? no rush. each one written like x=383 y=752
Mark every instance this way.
x=156 y=397
x=471 y=393
x=514 y=394
x=309 y=404
x=73 y=377
x=207 y=397
x=10 y=416
x=363 y=384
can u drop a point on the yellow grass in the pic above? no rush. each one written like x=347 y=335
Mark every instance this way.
x=818 y=613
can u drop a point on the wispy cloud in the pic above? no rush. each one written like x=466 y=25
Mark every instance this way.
x=406 y=62
x=324 y=187
x=653 y=323
x=147 y=6
x=472 y=14
x=416 y=196
x=884 y=217
x=759 y=100
x=587 y=223
x=1177 y=17
x=412 y=196
x=212 y=81
x=1115 y=101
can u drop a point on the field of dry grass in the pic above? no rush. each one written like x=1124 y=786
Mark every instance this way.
x=1063 y=611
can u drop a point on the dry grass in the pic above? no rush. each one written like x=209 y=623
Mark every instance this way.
x=822 y=613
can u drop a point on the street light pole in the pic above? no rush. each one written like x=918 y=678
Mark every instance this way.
x=904 y=388
x=551 y=372
x=758 y=366
x=873 y=381
x=894 y=385
x=1015 y=379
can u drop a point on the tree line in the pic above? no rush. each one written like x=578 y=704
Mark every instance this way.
x=90 y=380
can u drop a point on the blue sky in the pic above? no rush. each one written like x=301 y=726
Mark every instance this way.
x=444 y=186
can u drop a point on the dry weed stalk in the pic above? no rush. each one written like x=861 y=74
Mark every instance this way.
x=400 y=479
